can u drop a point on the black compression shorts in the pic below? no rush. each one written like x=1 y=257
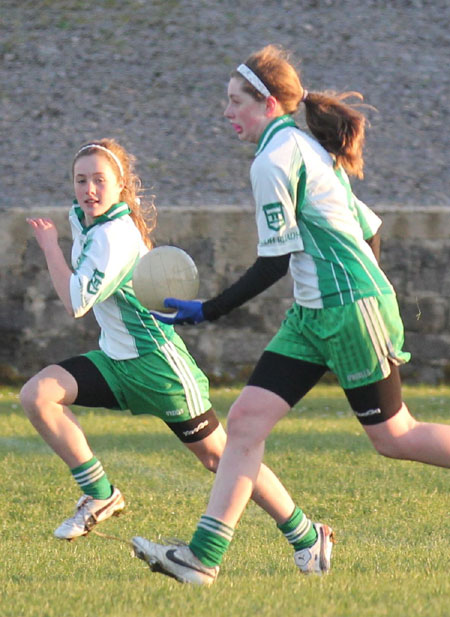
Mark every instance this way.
x=291 y=379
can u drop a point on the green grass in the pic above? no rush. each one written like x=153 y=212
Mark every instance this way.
x=391 y=520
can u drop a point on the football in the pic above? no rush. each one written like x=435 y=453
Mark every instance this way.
x=165 y=272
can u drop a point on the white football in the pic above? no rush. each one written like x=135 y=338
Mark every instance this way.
x=165 y=272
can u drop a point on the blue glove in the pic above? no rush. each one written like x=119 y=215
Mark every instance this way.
x=188 y=311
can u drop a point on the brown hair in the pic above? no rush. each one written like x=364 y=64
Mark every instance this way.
x=143 y=211
x=337 y=125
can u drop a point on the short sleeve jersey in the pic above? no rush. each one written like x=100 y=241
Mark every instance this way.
x=103 y=259
x=305 y=206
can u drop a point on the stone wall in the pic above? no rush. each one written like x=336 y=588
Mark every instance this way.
x=222 y=240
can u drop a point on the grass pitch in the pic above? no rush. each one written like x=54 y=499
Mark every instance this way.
x=391 y=519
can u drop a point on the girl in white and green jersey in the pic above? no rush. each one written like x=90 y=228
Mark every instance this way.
x=142 y=364
x=344 y=317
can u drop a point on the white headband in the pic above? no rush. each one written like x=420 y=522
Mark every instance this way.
x=250 y=76
x=99 y=147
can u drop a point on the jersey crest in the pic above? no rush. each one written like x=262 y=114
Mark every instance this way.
x=274 y=216
x=95 y=282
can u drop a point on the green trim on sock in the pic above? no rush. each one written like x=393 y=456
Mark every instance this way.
x=298 y=530
x=92 y=479
x=215 y=526
x=84 y=466
x=211 y=540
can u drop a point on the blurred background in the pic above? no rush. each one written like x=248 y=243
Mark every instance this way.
x=153 y=74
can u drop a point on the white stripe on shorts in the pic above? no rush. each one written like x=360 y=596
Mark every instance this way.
x=188 y=381
x=378 y=333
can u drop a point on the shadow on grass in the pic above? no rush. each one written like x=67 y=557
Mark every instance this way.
x=147 y=443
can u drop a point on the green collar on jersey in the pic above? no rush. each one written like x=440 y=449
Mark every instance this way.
x=281 y=122
x=115 y=212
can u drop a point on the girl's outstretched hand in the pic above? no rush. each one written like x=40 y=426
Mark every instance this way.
x=187 y=312
x=45 y=232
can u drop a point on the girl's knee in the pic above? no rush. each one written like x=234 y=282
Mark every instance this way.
x=33 y=398
x=394 y=438
x=28 y=396
x=209 y=450
x=246 y=426
x=210 y=461
x=239 y=420
x=388 y=448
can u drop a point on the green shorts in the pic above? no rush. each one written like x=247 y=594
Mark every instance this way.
x=166 y=383
x=356 y=341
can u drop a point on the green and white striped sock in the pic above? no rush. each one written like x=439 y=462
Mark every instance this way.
x=299 y=530
x=211 y=540
x=92 y=479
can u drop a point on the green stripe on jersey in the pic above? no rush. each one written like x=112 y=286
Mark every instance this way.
x=345 y=273
x=146 y=331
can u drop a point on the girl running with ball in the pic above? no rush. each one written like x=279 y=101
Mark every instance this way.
x=344 y=317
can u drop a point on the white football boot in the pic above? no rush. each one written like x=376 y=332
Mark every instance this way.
x=317 y=558
x=174 y=560
x=88 y=513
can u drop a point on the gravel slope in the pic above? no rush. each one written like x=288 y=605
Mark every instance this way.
x=153 y=74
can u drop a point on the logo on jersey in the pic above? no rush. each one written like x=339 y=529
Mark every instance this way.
x=274 y=216
x=95 y=282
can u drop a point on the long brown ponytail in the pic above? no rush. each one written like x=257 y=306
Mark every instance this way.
x=337 y=125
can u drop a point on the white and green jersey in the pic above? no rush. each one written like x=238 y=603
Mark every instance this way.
x=305 y=206
x=103 y=259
